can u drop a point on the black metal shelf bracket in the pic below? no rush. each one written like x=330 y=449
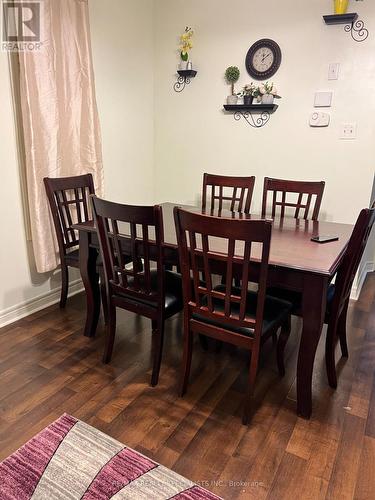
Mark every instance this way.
x=357 y=30
x=255 y=115
x=184 y=78
x=353 y=25
x=251 y=120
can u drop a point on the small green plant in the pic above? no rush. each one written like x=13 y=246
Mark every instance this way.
x=232 y=74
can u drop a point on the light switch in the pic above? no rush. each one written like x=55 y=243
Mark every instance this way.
x=348 y=131
x=333 y=71
x=323 y=99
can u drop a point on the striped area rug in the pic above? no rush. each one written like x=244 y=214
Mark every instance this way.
x=72 y=460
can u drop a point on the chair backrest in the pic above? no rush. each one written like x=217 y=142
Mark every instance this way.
x=215 y=245
x=68 y=198
x=240 y=196
x=353 y=255
x=303 y=192
x=131 y=231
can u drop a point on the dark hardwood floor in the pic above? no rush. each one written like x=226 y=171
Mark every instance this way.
x=47 y=368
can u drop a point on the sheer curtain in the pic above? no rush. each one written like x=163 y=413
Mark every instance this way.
x=59 y=115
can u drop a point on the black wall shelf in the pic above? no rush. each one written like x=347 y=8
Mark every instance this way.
x=249 y=113
x=184 y=78
x=353 y=25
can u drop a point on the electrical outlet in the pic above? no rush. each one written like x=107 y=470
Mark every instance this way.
x=348 y=131
x=333 y=71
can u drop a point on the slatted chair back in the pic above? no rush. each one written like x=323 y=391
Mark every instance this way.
x=124 y=235
x=306 y=191
x=68 y=198
x=352 y=259
x=198 y=238
x=241 y=192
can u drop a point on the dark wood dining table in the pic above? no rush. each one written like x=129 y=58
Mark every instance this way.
x=296 y=263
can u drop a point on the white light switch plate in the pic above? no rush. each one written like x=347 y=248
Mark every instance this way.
x=348 y=131
x=333 y=71
x=319 y=119
x=323 y=99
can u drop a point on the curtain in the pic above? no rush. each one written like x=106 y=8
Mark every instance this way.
x=59 y=115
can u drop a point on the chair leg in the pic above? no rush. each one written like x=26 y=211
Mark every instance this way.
x=341 y=331
x=250 y=388
x=103 y=293
x=64 y=285
x=157 y=340
x=111 y=332
x=187 y=355
x=283 y=339
x=330 y=355
x=204 y=342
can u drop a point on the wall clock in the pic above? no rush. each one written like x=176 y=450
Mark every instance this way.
x=263 y=59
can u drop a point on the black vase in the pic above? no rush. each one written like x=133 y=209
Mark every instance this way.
x=248 y=100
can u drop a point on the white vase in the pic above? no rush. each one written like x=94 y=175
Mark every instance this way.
x=232 y=99
x=267 y=99
x=182 y=66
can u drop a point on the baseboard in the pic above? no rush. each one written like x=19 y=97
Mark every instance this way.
x=14 y=313
x=368 y=267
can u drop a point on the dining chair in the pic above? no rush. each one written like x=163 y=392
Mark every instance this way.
x=303 y=193
x=240 y=196
x=148 y=289
x=68 y=199
x=226 y=313
x=339 y=292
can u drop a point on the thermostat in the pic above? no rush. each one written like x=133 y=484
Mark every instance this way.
x=319 y=119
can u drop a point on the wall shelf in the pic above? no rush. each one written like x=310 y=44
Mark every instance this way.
x=184 y=78
x=249 y=113
x=353 y=25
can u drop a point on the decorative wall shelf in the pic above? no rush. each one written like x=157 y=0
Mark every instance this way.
x=247 y=113
x=353 y=25
x=184 y=78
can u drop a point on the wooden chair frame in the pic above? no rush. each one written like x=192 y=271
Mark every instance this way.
x=199 y=298
x=130 y=287
x=302 y=188
x=337 y=317
x=239 y=203
x=63 y=193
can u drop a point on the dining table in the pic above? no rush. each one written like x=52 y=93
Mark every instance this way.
x=296 y=263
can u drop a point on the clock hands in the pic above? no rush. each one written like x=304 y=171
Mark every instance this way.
x=265 y=57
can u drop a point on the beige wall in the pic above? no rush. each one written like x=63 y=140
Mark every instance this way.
x=122 y=42
x=193 y=135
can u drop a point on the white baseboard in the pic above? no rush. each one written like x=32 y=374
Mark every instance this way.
x=14 y=313
x=368 y=267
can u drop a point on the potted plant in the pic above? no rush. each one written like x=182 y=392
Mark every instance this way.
x=341 y=6
x=185 y=46
x=268 y=92
x=248 y=94
x=232 y=75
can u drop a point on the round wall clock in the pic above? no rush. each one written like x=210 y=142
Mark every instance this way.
x=263 y=59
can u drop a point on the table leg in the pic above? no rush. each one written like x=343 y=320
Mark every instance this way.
x=90 y=278
x=313 y=311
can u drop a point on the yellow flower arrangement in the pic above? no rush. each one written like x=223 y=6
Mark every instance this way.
x=186 y=43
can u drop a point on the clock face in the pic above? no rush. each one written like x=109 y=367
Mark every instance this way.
x=263 y=59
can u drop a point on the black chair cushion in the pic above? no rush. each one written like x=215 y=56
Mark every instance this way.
x=173 y=292
x=295 y=298
x=276 y=311
x=72 y=259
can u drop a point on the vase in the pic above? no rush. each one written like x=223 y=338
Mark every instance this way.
x=341 y=6
x=232 y=99
x=248 y=100
x=182 y=66
x=267 y=99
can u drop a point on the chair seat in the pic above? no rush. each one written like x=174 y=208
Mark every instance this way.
x=276 y=311
x=173 y=293
x=295 y=298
